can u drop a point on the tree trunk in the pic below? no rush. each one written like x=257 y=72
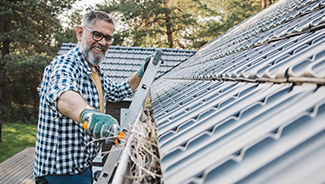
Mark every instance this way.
x=169 y=32
x=5 y=51
x=1 y=89
x=263 y=4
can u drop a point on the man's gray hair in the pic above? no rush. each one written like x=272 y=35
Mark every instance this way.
x=92 y=16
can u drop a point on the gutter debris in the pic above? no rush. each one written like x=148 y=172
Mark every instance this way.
x=140 y=160
x=144 y=155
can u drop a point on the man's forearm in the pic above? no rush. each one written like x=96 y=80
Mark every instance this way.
x=134 y=81
x=71 y=104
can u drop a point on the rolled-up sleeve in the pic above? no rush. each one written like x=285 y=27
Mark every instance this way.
x=61 y=79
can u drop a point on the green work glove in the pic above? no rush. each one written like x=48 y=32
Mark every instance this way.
x=98 y=125
x=143 y=67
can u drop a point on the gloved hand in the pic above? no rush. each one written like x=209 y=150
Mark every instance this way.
x=98 y=125
x=143 y=67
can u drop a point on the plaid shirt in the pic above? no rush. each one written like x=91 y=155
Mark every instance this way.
x=61 y=143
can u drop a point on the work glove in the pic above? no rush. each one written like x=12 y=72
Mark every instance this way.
x=98 y=125
x=143 y=67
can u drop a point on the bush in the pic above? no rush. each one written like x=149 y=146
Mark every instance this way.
x=23 y=76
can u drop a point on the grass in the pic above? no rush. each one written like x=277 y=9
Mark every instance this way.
x=15 y=138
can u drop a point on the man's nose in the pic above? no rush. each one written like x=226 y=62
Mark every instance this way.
x=102 y=42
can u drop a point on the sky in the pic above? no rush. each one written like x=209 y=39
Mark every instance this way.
x=89 y=2
x=78 y=4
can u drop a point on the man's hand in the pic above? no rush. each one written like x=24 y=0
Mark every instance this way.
x=143 y=67
x=98 y=125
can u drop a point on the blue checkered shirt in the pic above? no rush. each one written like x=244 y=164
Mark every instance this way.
x=61 y=143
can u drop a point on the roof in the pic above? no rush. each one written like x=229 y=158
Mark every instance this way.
x=249 y=106
x=122 y=62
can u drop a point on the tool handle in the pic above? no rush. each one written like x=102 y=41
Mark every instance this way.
x=85 y=125
x=114 y=136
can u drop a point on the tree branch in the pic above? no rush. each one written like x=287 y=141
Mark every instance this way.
x=18 y=44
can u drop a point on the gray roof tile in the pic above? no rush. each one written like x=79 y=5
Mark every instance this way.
x=219 y=122
x=121 y=62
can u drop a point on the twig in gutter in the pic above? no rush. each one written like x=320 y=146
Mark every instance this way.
x=144 y=152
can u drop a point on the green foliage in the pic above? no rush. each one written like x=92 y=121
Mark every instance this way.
x=29 y=36
x=237 y=11
x=15 y=138
x=231 y=13
x=31 y=24
x=69 y=32
x=156 y=23
x=24 y=75
x=177 y=23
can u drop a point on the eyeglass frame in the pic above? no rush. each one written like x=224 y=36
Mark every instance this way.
x=94 y=32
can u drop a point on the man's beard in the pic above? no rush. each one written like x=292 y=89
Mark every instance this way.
x=96 y=59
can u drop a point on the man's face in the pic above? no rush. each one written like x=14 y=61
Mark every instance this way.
x=93 y=50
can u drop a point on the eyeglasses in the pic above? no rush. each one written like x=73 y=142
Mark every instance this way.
x=98 y=36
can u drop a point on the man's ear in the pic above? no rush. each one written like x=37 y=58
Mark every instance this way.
x=79 y=32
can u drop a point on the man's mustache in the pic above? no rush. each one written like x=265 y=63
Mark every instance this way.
x=99 y=46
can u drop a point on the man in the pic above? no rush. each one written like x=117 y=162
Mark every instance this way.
x=72 y=103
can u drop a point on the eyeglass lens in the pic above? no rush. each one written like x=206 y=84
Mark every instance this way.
x=99 y=36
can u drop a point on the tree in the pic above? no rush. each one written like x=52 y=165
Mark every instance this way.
x=28 y=27
x=23 y=75
x=70 y=25
x=266 y=3
x=231 y=13
x=154 y=23
x=177 y=23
